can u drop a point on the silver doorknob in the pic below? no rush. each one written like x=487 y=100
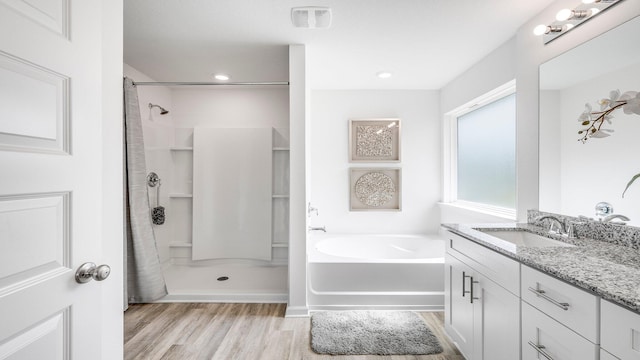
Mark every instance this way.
x=89 y=270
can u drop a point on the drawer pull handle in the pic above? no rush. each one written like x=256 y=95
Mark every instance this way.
x=540 y=350
x=464 y=278
x=542 y=294
x=471 y=292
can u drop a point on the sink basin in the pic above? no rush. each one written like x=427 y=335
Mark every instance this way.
x=524 y=238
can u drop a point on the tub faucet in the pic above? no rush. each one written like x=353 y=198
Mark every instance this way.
x=311 y=210
x=562 y=229
x=321 y=228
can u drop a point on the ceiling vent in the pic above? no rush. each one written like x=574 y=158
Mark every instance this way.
x=312 y=17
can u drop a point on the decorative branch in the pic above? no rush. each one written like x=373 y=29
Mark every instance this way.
x=629 y=102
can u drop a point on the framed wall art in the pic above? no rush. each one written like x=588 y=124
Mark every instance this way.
x=375 y=189
x=374 y=140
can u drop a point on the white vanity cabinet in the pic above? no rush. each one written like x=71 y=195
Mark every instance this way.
x=620 y=332
x=481 y=314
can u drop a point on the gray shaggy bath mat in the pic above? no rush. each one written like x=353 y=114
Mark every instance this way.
x=372 y=333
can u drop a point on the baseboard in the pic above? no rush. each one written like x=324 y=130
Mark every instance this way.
x=420 y=308
x=297 y=311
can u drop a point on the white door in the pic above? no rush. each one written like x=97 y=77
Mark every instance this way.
x=52 y=125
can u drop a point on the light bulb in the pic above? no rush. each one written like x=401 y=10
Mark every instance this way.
x=540 y=30
x=384 y=74
x=564 y=15
x=588 y=1
x=221 y=77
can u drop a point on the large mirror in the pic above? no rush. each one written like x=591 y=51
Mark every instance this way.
x=576 y=175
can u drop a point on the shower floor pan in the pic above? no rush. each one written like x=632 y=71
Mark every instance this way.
x=228 y=282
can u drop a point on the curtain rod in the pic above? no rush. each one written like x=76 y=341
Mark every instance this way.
x=160 y=83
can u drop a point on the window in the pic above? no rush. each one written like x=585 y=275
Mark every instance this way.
x=482 y=153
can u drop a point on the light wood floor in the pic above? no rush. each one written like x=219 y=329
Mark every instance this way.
x=183 y=331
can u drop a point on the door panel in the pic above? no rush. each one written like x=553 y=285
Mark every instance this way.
x=495 y=313
x=51 y=14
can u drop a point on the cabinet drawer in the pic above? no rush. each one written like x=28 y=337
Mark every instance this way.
x=568 y=304
x=540 y=333
x=620 y=331
x=495 y=266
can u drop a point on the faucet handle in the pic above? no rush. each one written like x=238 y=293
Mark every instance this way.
x=553 y=225
x=570 y=225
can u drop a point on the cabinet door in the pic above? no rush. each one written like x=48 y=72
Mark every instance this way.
x=496 y=321
x=459 y=309
x=543 y=335
x=620 y=331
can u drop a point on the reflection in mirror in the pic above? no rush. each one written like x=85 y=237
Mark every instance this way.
x=575 y=176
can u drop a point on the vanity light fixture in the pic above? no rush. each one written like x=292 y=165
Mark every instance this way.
x=567 y=19
x=568 y=14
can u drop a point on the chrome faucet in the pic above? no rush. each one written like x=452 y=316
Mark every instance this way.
x=608 y=218
x=321 y=228
x=562 y=229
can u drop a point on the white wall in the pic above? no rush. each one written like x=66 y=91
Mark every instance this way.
x=494 y=70
x=520 y=58
x=418 y=111
x=230 y=107
x=158 y=136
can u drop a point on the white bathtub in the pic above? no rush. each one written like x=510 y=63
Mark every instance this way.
x=376 y=271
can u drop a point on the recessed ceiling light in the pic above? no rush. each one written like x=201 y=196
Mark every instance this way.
x=383 y=74
x=221 y=77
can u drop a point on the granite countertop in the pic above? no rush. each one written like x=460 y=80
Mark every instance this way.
x=608 y=270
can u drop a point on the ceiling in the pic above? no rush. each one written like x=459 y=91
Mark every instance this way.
x=423 y=43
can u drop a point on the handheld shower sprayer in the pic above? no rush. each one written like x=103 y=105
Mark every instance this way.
x=163 y=111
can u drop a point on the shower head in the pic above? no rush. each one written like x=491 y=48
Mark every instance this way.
x=163 y=111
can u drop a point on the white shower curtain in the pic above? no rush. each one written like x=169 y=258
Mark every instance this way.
x=144 y=278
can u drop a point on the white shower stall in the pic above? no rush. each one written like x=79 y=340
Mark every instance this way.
x=222 y=156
